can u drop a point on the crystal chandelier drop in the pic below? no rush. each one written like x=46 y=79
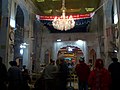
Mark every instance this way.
x=63 y=22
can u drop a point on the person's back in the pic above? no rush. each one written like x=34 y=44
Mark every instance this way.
x=63 y=74
x=63 y=69
x=82 y=71
x=99 y=78
x=114 y=69
x=49 y=71
x=3 y=75
x=26 y=79
x=49 y=76
x=14 y=77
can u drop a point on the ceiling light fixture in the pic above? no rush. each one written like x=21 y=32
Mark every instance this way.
x=89 y=9
x=63 y=22
x=40 y=0
x=58 y=40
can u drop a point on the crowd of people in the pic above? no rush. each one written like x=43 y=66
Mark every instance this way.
x=97 y=78
x=55 y=76
x=13 y=78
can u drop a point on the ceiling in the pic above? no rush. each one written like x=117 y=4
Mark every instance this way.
x=73 y=7
x=53 y=7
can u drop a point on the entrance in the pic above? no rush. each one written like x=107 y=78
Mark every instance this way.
x=92 y=57
x=71 y=54
x=19 y=36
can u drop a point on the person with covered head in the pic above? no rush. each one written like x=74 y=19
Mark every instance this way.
x=82 y=71
x=114 y=69
x=99 y=78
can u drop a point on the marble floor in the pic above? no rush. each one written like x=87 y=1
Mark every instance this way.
x=73 y=81
x=73 y=84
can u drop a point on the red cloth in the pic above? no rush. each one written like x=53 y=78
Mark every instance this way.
x=99 y=79
x=82 y=71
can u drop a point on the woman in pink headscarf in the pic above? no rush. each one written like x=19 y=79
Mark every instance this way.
x=99 y=78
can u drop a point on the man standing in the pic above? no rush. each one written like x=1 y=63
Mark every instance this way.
x=3 y=75
x=114 y=69
x=63 y=74
x=49 y=76
x=15 y=79
x=82 y=71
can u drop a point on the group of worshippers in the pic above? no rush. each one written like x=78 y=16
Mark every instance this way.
x=13 y=78
x=99 y=78
x=54 y=77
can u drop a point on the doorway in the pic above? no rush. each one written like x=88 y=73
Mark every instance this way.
x=19 y=35
x=71 y=54
x=92 y=57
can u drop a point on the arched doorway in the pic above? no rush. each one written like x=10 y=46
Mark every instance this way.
x=92 y=57
x=19 y=35
x=71 y=54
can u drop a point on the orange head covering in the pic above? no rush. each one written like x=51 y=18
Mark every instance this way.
x=99 y=63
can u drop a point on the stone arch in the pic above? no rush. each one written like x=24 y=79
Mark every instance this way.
x=26 y=15
x=26 y=25
x=81 y=45
x=92 y=56
x=19 y=17
x=19 y=34
x=70 y=53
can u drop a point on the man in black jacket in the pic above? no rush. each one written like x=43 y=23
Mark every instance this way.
x=114 y=69
x=3 y=75
x=64 y=72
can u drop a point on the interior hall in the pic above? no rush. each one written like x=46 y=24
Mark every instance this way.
x=36 y=34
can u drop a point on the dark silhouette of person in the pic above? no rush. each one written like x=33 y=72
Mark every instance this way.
x=63 y=74
x=26 y=79
x=15 y=79
x=114 y=69
x=24 y=67
x=82 y=71
x=40 y=83
x=3 y=75
x=99 y=78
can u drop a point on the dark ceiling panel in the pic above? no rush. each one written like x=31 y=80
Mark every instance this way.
x=50 y=8
x=69 y=4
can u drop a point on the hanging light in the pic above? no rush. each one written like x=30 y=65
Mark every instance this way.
x=63 y=22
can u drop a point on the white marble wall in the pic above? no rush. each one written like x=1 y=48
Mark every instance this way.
x=50 y=43
x=80 y=44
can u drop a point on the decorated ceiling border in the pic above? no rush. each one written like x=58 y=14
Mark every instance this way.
x=76 y=17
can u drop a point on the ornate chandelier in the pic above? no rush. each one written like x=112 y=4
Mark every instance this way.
x=63 y=22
